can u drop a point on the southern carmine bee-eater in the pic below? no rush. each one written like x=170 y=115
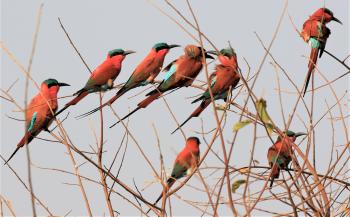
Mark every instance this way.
x=38 y=113
x=224 y=78
x=315 y=32
x=279 y=154
x=144 y=73
x=185 y=162
x=102 y=78
x=179 y=73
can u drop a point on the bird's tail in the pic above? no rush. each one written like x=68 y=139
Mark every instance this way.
x=311 y=65
x=144 y=103
x=275 y=173
x=74 y=101
x=195 y=113
x=198 y=99
x=27 y=138
x=109 y=102
x=154 y=91
x=126 y=116
x=170 y=183
x=77 y=99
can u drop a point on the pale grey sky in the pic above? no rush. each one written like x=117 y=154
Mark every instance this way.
x=99 y=26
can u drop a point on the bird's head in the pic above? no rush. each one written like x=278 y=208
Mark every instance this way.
x=118 y=55
x=194 y=52
x=325 y=15
x=226 y=56
x=291 y=135
x=52 y=85
x=161 y=49
x=193 y=142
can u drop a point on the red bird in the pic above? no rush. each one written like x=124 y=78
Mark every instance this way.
x=279 y=154
x=179 y=73
x=102 y=77
x=185 y=162
x=316 y=33
x=144 y=74
x=38 y=114
x=225 y=76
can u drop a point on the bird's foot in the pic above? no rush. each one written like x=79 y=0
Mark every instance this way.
x=110 y=83
x=150 y=80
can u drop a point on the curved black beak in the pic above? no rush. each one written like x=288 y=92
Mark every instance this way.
x=208 y=56
x=214 y=52
x=206 y=53
x=62 y=84
x=336 y=20
x=173 y=45
x=300 y=134
x=127 y=52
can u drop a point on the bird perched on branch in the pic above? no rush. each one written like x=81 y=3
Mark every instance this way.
x=179 y=73
x=144 y=73
x=102 y=78
x=315 y=32
x=40 y=112
x=279 y=154
x=186 y=161
x=224 y=78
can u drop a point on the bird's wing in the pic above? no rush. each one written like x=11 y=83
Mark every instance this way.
x=32 y=122
x=100 y=76
x=306 y=32
x=169 y=81
x=314 y=29
x=95 y=80
x=33 y=111
x=272 y=154
x=206 y=94
x=141 y=73
x=169 y=66
x=280 y=154
x=178 y=171
x=170 y=71
x=212 y=79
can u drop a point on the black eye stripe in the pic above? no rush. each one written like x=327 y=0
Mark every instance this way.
x=161 y=48
x=51 y=84
x=326 y=10
x=115 y=54
x=200 y=48
x=195 y=138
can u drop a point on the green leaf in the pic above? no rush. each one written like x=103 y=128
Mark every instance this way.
x=269 y=128
x=241 y=124
x=264 y=116
x=237 y=184
x=261 y=106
